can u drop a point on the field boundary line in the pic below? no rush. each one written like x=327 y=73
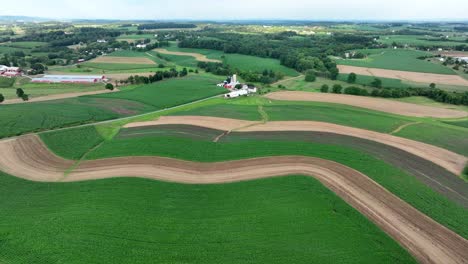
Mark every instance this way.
x=78 y=162
x=398 y=129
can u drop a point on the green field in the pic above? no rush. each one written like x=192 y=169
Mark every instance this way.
x=118 y=66
x=449 y=137
x=435 y=132
x=21 y=118
x=171 y=92
x=400 y=59
x=365 y=81
x=17 y=119
x=417 y=40
x=136 y=36
x=6 y=82
x=141 y=221
x=237 y=61
x=395 y=180
x=43 y=89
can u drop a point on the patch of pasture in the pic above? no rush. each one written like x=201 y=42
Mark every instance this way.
x=400 y=59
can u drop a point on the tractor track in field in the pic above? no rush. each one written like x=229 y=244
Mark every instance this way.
x=428 y=241
x=377 y=104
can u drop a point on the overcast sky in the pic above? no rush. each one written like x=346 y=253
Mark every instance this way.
x=241 y=9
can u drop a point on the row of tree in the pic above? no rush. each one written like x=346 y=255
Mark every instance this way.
x=158 y=76
x=435 y=94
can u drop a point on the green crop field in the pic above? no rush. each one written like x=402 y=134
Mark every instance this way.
x=172 y=92
x=449 y=137
x=243 y=62
x=6 y=82
x=136 y=36
x=418 y=40
x=434 y=132
x=403 y=185
x=17 y=119
x=138 y=221
x=72 y=143
x=118 y=66
x=26 y=44
x=43 y=89
x=21 y=118
x=400 y=59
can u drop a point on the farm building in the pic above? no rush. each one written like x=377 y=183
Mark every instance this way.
x=6 y=71
x=141 y=46
x=70 y=79
x=237 y=89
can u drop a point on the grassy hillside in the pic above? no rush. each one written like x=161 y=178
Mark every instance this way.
x=400 y=59
x=141 y=221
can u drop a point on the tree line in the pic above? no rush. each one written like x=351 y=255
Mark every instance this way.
x=432 y=93
x=158 y=76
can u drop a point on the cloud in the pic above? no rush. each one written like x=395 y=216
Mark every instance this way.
x=241 y=9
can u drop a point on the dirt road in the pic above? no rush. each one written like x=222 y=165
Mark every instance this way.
x=57 y=96
x=378 y=104
x=419 y=77
x=197 y=56
x=428 y=241
x=451 y=161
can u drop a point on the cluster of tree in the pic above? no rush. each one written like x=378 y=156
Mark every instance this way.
x=308 y=52
x=21 y=94
x=158 y=76
x=266 y=77
x=166 y=25
x=215 y=68
x=79 y=35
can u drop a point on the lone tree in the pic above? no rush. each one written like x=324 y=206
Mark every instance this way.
x=110 y=86
x=2 y=98
x=337 y=88
x=25 y=97
x=377 y=83
x=324 y=88
x=19 y=92
x=432 y=85
x=310 y=76
x=352 y=77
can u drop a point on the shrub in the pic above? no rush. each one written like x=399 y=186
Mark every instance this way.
x=324 y=88
x=377 y=83
x=352 y=77
x=2 y=98
x=110 y=86
x=19 y=92
x=337 y=88
x=310 y=76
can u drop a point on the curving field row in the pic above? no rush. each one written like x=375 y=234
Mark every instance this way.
x=378 y=104
x=428 y=241
x=451 y=161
